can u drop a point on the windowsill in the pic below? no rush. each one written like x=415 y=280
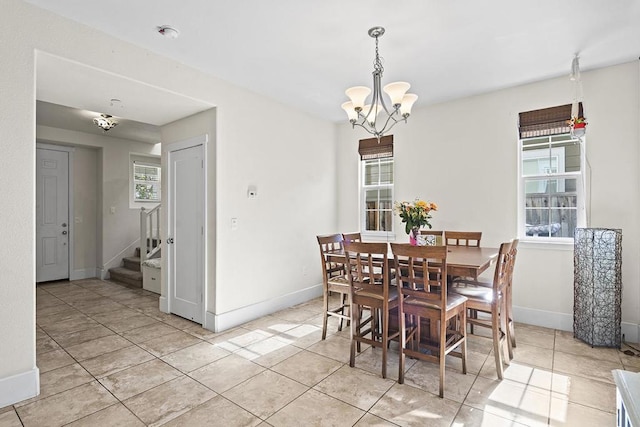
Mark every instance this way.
x=553 y=244
x=372 y=236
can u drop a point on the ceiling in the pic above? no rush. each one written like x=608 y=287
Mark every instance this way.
x=305 y=53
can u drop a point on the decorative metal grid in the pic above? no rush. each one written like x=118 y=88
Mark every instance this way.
x=597 y=286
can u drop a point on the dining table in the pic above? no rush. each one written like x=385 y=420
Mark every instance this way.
x=462 y=261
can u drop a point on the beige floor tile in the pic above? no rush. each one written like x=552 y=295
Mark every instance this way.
x=628 y=360
x=53 y=360
x=67 y=326
x=132 y=322
x=110 y=363
x=114 y=416
x=523 y=374
x=370 y=360
x=215 y=412
x=265 y=394
x=112 y=316
x=408 y=406
x=303 y=335
x=9 y=418
x=96 y=347
x=67 y=406
x=225 y=336
x=307 y=368
x=426 y=376
x=271 y=325
x=468 y=416
x=177 y=321
x=508 y=399
x=479 y=344
x=335 y=347
x=168 y=401
x=104 y=306
x=475 y=361
x=564 y=413
x=169 y=343
x=586 y=392
x=588 y=367
x=534 y=335
x=45 y=343
x=69 y=313
x=354 y=386
x=566 y=343
x=226 y=373
x=241 y=338
x=59 y=380
x=140 y=378
x=316 y=409
x=533 y=356
x=52 y=309
x=67 y=339
x=195 y=356
x=199 y=332
x=295 y=315
x=148 y=332
x=268 y=352
x=370 y=420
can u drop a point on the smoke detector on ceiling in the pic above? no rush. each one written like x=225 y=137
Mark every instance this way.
x=168 y=31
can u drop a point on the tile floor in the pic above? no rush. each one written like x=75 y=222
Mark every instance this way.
x=109 y=357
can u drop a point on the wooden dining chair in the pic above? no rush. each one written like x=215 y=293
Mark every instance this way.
x=421 y=276
x=352 y=237
x=439 y=235
x=370 y=290
x=491 y=300
x=334 y=280
x=511 y=333
x=463 y=238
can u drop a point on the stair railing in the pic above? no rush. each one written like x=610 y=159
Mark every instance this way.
x=149 y=232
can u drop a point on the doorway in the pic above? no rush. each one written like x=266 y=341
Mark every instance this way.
x=53 y=229
x=185 y=232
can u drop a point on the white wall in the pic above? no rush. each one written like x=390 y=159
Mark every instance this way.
x=463 y=156
x=288 y=155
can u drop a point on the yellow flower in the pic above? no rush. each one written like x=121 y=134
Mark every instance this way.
x=422 y=204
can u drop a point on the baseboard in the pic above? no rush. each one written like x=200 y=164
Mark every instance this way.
x=564 y=321
x=224 y=321
x=87 y=273
x=209 y=321
x=164 y=304
x=19 y=387
x=102 y=274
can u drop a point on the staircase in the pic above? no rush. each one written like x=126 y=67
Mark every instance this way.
x=129 y=273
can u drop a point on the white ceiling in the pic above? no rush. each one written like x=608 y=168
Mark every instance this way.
x=306 y=53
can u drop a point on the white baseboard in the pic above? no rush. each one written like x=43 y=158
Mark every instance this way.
x=564 y=321
x=224 y=321
x=19 y=387
x=102 y=274
x=87 y=273
x=164 y=304
x=209 y=321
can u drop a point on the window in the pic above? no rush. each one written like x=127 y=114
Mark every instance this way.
x=377 y=195
x=145 y=181
x=376 y=186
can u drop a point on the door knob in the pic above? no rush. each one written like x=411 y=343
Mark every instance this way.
x=64 y=232
x=64 y=224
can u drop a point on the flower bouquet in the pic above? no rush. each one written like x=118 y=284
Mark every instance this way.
x=415 y=215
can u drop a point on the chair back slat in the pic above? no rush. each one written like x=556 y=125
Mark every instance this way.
x=352 y=237
x=463 y=238
x=368 y=266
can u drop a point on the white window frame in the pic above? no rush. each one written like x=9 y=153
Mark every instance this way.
x=372 y=235
x=581 y=189
x=144 y=160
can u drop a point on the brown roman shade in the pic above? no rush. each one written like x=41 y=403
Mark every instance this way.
x=548 y=121
x=371 y=148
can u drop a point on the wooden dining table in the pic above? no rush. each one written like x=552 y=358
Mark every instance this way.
x=463 y=261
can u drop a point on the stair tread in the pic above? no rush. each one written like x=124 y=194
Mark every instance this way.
x=126 y=272
x=132 y=258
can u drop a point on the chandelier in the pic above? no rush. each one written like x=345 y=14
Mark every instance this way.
x=105 y=122
x=376 y=117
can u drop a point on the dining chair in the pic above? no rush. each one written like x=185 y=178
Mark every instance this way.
x=352 y=237
x=489 y=299
x=463 y=238
x=370 y=289
x=439 y=235
x=509 y=300
x=423 y=296
x=334 y=280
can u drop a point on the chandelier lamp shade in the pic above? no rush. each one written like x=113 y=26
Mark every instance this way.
x=378 y=116
x=105 y=122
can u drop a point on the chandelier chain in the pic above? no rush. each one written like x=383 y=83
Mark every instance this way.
x=377 y=63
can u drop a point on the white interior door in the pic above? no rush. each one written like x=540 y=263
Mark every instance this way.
x=185 y=237
x=52 y=215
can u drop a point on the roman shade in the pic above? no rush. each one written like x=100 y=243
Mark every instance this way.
x=547 y=121
x=371 y=148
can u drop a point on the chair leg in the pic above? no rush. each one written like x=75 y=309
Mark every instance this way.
x=506 y=324
x=441 y=356
x=325 y=315
x=385 y=339
x=403 y=345
x=462 y=329
x=355 y=331
x=497 y=348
